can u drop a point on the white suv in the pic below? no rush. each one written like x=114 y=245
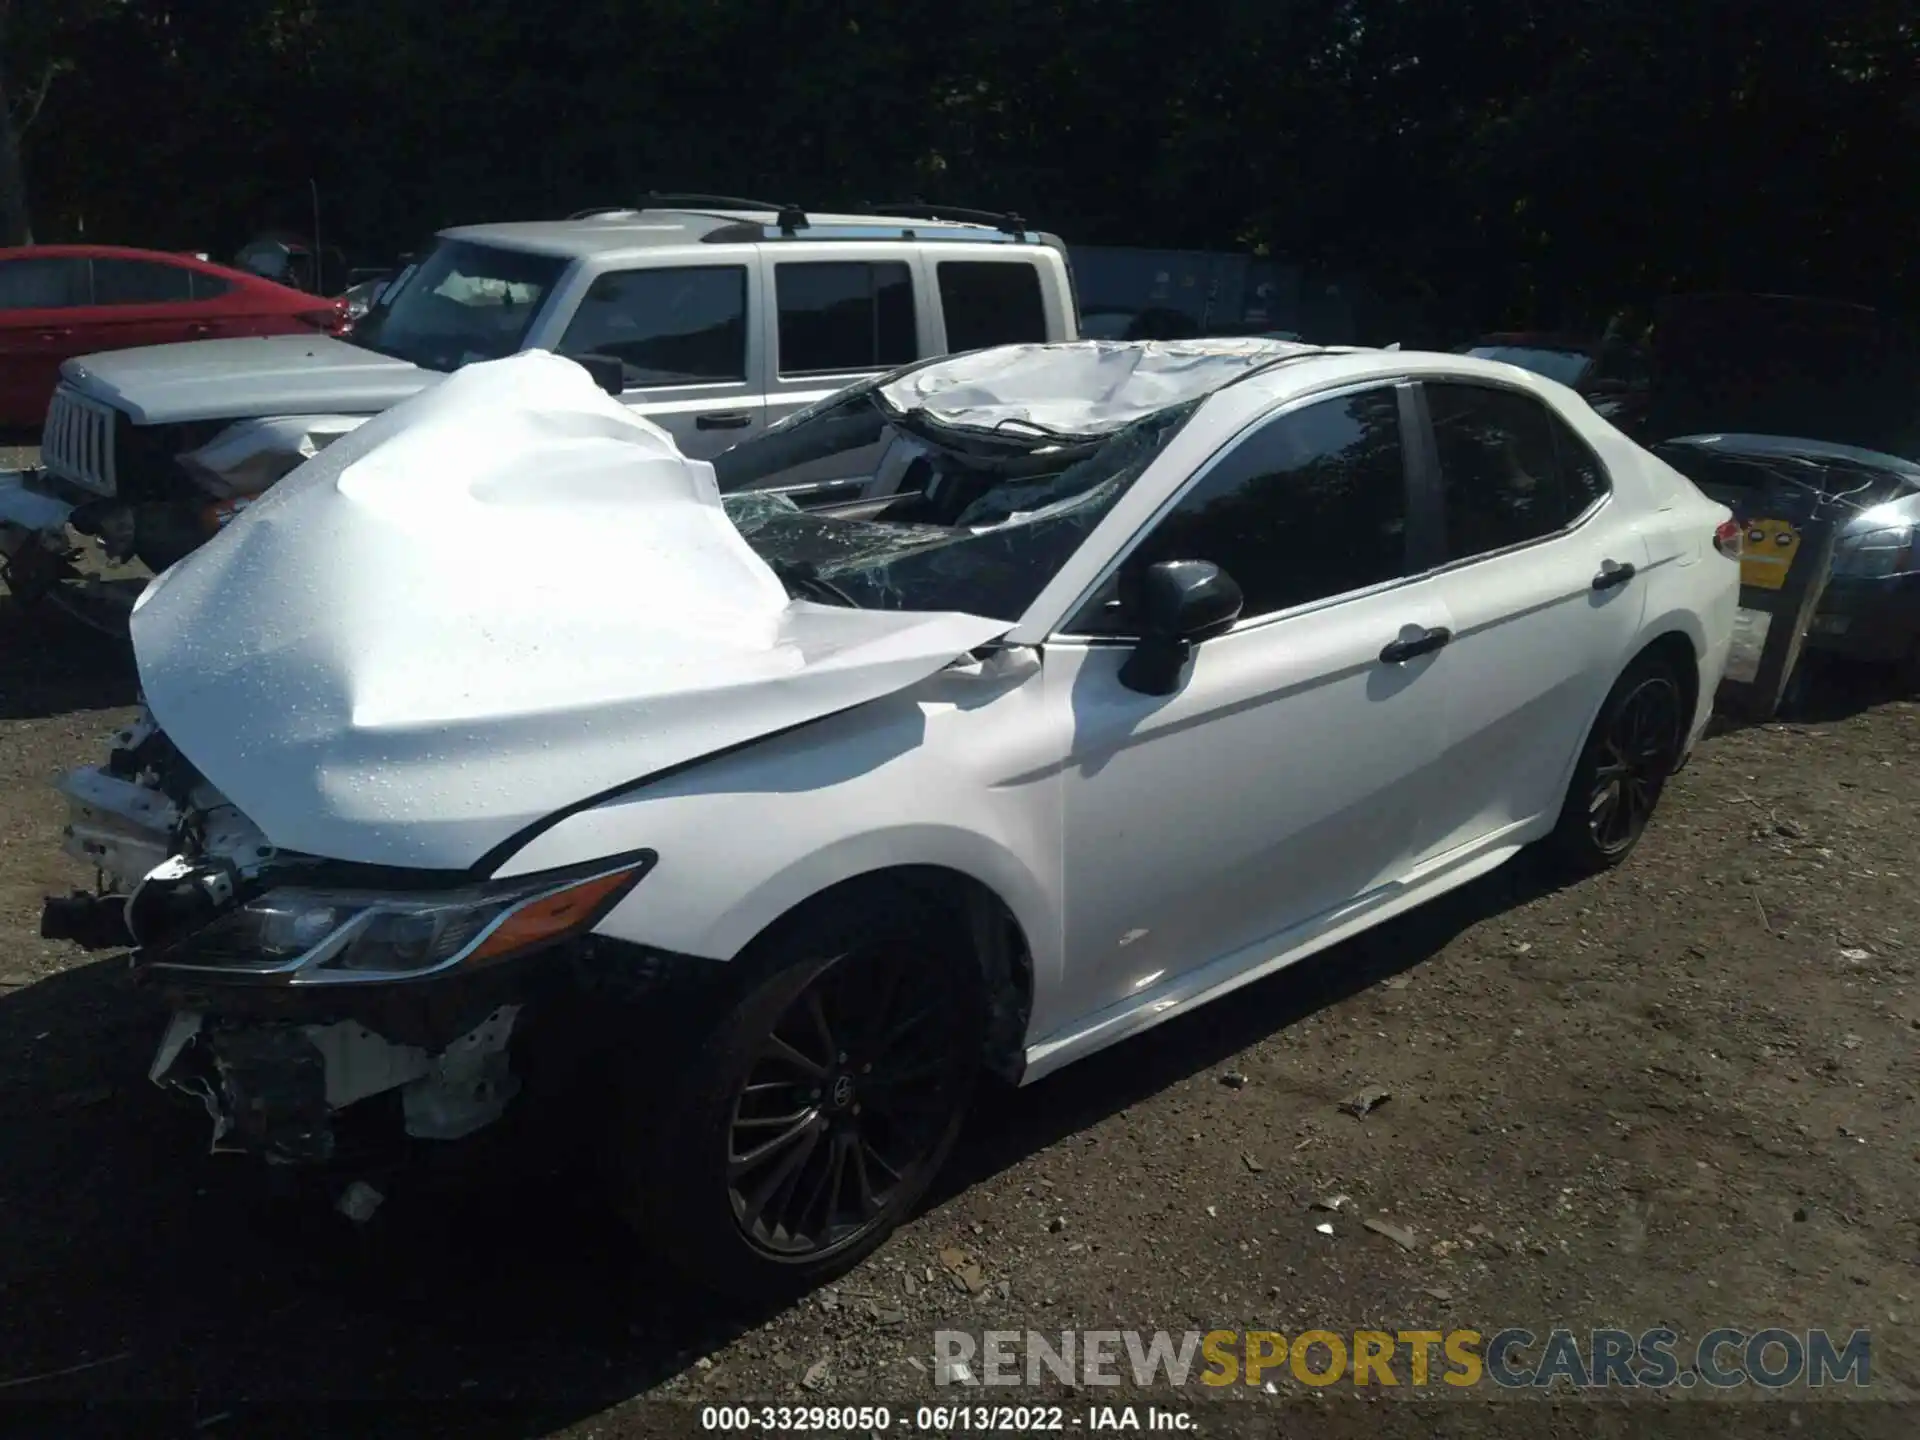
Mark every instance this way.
x=714 y=320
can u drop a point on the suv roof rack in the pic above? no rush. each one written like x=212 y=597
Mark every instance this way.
x=788 y=217
x=1007 y=220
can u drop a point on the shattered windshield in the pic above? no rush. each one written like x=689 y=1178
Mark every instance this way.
x=463 y=302
x=983 y=531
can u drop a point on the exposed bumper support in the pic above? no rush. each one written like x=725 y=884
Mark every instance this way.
x=276 y=1089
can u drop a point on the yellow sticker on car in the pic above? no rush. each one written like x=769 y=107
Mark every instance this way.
x=1767 y=553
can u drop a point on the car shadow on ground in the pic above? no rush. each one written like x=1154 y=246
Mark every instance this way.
x=183 y=1289
x=53 y=664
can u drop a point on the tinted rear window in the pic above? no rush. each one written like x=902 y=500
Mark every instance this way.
x=844 y=316
x=991 y=302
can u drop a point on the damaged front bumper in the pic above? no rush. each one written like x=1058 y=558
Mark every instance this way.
x=275 y=1088
x=38 y=558
x=301 y=1055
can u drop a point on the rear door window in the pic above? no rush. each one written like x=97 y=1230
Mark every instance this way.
x=140 y=282
x=841 y=317
x=42 y=282
x=1510 y=470
x=209 y=287
x=681 y=326
x=991 y=302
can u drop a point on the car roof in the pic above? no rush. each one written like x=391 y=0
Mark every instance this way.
x=1789 y=445
x=183 y=258
x=623 y=231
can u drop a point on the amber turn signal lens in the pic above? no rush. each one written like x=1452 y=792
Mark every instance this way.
x=550 y=917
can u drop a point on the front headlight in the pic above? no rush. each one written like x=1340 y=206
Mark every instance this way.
x=1888 y=550
x=312 y=936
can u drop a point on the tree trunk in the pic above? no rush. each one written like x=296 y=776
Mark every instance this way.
x=15 y=227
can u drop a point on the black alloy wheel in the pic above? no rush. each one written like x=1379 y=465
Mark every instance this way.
x=1638 y=751
x=778 y=1139
x=1630 y=753
x=851 y=1089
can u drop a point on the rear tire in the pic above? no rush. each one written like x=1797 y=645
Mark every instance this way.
x=812 y=1116
x=1632 y=750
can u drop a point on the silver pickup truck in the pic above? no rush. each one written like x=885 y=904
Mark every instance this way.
x=713 y=320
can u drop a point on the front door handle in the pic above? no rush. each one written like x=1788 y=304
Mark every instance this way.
x=1610 y=577
x=723 y=420
x=52 y=335
x=199 y=327
x=1425 y=643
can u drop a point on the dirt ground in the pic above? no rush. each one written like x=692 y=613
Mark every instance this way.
x=1681 y=1094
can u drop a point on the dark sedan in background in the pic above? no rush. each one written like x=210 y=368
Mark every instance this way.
x=1614 y=378
x=1870 y=610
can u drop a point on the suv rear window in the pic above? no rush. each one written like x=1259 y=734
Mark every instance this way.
x=991 y=302
x=838 y=317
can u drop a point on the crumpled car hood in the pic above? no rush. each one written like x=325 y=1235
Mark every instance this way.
x=269 y=375
x=494 y=601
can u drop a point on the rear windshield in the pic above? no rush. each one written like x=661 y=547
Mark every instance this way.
x=463 y=302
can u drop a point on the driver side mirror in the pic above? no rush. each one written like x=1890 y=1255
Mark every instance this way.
x=609 y=372
x=1181 y=603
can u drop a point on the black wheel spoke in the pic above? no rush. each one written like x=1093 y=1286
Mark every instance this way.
x=779 y=1049
x=901 y=1032
x=781 y=1174
x=872 y=1153
x=857 y=1157
x=837 y=1160
x=759 y=1154
x=767 y=1122
x=817 y=1013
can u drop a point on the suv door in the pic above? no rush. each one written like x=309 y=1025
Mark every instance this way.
x=1289 y=775
x=835 y=314
x=1543 y=583
x=39 y=297
x=682 y=332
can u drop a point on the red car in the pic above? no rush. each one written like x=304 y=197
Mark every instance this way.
x=58 y=301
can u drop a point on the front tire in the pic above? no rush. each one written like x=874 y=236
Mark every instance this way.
x=1624 y=766
x=813 y=1115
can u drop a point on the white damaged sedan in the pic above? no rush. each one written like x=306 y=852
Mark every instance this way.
x=977 y=718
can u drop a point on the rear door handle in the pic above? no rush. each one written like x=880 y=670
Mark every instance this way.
x=199 y=327
x=55 y=334
x=1424 y=643
x=1609 y=579
x=723 y=420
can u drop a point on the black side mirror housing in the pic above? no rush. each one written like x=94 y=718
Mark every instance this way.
x=1181 y=603
x=608 y=372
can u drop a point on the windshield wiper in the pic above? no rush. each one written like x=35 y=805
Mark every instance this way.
x=804 y=581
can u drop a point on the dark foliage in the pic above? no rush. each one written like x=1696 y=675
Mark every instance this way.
x=1535 y=161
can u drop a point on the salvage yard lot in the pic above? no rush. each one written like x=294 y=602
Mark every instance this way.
x=1682 y=1094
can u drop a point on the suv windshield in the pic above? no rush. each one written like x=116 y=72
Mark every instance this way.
x=982 y=527
x=463 y=302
